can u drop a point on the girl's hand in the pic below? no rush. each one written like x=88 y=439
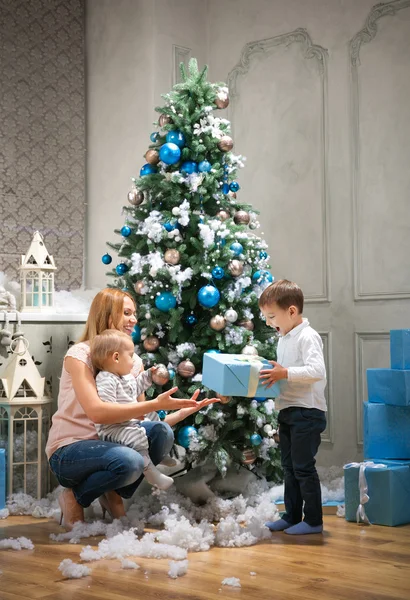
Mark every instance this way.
x=166 y=402
x=271 y=376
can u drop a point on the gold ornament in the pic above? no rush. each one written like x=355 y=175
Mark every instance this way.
x=241 y=217
x=172 y=256
x=152 y=157
x=140 y=288
x=249 y=351
x=186 y=369
x=222 y=103
x=135 y=197
x=223 y=215
x=217 y=323
x=235 y=267
x=164 y=120
x=161 y=375
x=223 y=399
x=247 y=324
x=249 y=457
x=151 y=343
x=225 y=143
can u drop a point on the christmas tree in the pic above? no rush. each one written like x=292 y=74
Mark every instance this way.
x=191 y=259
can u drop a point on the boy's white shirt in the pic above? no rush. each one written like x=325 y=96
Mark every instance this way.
x=301 y=352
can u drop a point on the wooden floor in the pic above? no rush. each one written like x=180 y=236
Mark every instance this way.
x=348 y=562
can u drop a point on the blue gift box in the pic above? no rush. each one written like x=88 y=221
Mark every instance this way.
x=237 y=375
x=389 y=386
x=388 y=491
x=400 y=348
x=2 y=478
x=386 y=431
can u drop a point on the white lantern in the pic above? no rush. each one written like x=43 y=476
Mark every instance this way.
x=25 y=413
x=37 y=278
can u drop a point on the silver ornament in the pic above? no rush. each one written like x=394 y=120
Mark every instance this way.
x=186 y=369
x=135 y=197
x=249 y=351
x=161 y=375
x=231 y=315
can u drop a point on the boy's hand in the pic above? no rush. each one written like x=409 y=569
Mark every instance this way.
x=271 y=376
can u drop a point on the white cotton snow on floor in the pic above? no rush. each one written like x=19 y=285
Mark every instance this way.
x=232 y=582
x=177 y=568
x=21 y=543
x=4 y=513
x=72 y=570
x=129 y=564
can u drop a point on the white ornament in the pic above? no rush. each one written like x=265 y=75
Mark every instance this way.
x=267 y=428
x=231 y=315
x=249 y=351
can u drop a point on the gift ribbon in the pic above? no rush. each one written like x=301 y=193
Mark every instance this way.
x=363 y=488
x=255 y=363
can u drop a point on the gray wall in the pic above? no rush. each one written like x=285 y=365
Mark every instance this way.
x=42 y=133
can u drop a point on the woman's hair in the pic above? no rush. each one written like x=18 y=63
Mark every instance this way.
x=105 y=344
x=107 y=303
x=284 y=293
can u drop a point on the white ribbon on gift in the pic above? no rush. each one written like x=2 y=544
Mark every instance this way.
x=361 y=516
x=255 y=363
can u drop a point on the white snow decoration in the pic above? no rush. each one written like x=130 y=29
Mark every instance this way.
x=75 y=301
x=129 y=564
x=232 y=581
x=341 y=511
x=208 y=432
x=184 y=212
x=180 y=532
x=185 y=349
x=197 y=377
x=252 y=573
x=4 y=513
x=20 y=543
x=72 y=570
x=233 y=336
x=177 y=568
x=222 y=93
x=207 y=234
x=269 y=406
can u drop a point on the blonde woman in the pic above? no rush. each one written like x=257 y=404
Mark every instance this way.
x=87 y=467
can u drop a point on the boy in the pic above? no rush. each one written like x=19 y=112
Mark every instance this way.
x=301 y=404
x=112 y=354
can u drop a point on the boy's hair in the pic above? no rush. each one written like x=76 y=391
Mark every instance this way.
x=105 y=344
x=284 y=293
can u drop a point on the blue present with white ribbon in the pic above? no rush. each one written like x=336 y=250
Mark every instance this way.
x=386 y=431
x=237 y=375
x=388 y=386
x=2 y=478
x=377 y=493
x=400 y=348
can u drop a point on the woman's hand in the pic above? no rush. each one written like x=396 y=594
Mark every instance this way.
x=166 y=402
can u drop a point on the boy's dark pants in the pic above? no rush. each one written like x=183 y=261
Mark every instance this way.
x=299 y=440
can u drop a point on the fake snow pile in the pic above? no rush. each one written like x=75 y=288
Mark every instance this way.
x=21 y=543
x=71 y=570
x=177 y=568
x=232 y=581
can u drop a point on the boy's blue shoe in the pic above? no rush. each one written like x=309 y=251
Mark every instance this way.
x=279 y=525
x=303 y=528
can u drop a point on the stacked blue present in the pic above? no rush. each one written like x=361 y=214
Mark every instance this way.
x=2 y=478
x=378 y=490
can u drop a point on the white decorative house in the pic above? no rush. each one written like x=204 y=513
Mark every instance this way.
x=25 y=413
x=37 y=277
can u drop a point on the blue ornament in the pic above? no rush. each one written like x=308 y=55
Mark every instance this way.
x=165 y=301
x=147 y=169
x=218 y=272
x=225 y=188
x=136 y=334
x=191 y=319
x=170 y=226
x=208 y=296
x=171 y=373
x=204 y=166
x=256 y=439
x=260 y=400
x=221 y=241
x=212 y=351
x=176 y=137
x=162 y=414
x=234 y=186
x=153 y=137
x=126 y=231
x=121 y=269
x=263 y=255
x=236 y=248
x=189 y=166
x=185 y=434
x=169 y=153
x=107 y=259
x=262 y=276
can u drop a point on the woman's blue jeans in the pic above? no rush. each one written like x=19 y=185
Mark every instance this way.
x=92 y=467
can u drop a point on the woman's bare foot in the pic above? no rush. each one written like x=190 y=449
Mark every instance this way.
x=112 y=503
x=71 y=511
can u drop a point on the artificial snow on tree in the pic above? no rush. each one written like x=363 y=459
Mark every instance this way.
x=190 y=258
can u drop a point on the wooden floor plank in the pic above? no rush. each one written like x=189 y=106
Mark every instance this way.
x=347 y=562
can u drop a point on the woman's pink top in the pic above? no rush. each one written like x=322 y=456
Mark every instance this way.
x=70 y=423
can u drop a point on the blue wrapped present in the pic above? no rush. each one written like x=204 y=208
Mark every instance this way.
x=237 y=375
x=386 y=431
x=400 y=348
x=388 y=386
x=377 y=493
x=2 y=478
